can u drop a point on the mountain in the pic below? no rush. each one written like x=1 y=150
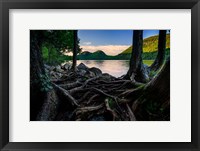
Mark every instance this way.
x=97 y=55
x=100 y=55
x=150 y=44
x=86 y=53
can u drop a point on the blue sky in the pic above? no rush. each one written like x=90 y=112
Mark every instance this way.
x=112 y=42
x=110 y=37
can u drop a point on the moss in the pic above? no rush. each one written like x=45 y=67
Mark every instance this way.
x=111 y=103
x=152 y=73
x=45 y=83
x=152 y=106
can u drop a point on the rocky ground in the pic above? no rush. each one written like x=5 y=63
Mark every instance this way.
x=90 y=95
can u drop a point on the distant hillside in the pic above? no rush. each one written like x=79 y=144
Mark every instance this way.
x=98 y=55
x=150 y=44
x=145 y=55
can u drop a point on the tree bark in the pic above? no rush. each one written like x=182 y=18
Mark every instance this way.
x=75 y=49
x=161 y=51
x=43 y=103
x=36 y=70
x=154 y=104
x=137 y=71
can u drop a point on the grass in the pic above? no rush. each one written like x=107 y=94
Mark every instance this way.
x=148 y=62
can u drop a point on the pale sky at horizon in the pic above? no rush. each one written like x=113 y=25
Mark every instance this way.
x=112 y=42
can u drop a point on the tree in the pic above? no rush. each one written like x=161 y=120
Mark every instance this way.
x=43 y=92
x=36 y=73
x=137 y=71
x=154 y=103
x=75 y=49
x=151 y=101
x=54 y=45
x=74 y=97
x=70 y=42
x=58 y=42
x=157 y=64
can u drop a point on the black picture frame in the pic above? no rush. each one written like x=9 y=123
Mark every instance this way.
x=5 y=5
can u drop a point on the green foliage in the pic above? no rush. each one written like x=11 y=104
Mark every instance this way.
x=55 y=39
x=52 y=57
x=45 y=83
x=145 y=55
x=70 y=42
x=150 y=44
x=45 y=54
x=100 y=55
x=55 y=44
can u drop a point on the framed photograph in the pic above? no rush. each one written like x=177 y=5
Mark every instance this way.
x=99 y=75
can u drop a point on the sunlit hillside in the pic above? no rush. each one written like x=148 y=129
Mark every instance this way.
x=150 y=44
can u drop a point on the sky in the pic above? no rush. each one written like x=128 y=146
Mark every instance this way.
x=112 y=42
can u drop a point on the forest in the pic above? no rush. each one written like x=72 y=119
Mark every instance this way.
x=76 y=92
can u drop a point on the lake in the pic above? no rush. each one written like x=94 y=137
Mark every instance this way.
x=115 y=68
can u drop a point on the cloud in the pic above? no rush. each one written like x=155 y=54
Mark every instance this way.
x=108 y=49
x=87 y=43
x=68 y=53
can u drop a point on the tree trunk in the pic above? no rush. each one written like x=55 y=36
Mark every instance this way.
x=137 y=71
x=161 y=51
x=45 y=97
x=36 y=71
x=75 y=50
x=154 y=104
x=44 y=101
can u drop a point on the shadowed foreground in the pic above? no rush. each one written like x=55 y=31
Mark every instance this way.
x=89 y=95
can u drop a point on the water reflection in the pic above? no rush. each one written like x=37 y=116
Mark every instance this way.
x=116 y=68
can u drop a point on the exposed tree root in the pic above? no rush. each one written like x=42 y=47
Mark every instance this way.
x=50 y=107
x=114 y=115
x=88 y=109
x=131 y=115
x=104 y=97
x=66 y=94
x=70 y=85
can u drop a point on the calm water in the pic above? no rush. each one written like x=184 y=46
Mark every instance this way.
x=116 y=68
